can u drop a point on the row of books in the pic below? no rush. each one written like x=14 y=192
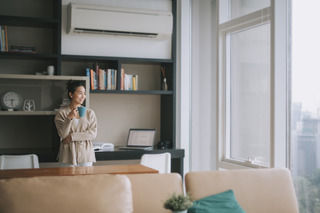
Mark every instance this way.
x=102 y=79
x=106 y=79
x=4 y=47
x=128 y=81
x=3 y=38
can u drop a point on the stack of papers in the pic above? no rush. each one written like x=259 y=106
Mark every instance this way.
x=102 y=146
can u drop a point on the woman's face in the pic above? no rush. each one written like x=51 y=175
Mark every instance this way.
x=78 y=96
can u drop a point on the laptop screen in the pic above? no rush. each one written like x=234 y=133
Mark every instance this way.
x=141 y=137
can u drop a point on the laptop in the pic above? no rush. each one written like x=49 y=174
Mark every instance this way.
x=140 y=139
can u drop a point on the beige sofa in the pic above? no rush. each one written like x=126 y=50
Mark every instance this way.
x=258 y=191
x=88 y=193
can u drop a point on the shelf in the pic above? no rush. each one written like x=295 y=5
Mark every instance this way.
x=27 y=112
x=42 y=77
x=28 y=21
x=107 y=58
x=143 y=92
x=28 y=56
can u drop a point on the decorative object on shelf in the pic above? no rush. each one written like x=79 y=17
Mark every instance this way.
x=178 y=203
x=163 y=144
x=164 y=82
x=50 y=70
x=29 y=105
x=11 y=101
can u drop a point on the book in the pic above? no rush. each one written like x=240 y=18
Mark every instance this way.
x=135 y=82
x=122 y=79
x=92 y=79
x=109 y=79
x=128 y=82
x=101 y=79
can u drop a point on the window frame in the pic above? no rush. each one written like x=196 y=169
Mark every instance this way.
x=279 y=78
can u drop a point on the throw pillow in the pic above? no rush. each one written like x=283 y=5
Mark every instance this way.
x=224 y=202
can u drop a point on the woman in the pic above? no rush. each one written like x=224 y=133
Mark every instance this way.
x=76 y=133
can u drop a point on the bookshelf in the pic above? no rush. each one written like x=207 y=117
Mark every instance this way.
x=41 y=27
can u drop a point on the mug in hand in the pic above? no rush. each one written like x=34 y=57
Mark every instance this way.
x=82 y=111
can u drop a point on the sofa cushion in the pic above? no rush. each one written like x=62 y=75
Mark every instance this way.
x=149 y=191
x=256 y=190
x=82 y=193
x=224 y=202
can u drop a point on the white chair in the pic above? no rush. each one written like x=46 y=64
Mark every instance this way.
x=160 y=162
x=19 y=161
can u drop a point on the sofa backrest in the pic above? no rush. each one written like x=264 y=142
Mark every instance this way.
x=81 y=193
x=256 y=190
x=149 y=191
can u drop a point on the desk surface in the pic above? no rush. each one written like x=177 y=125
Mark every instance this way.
x=69 y=171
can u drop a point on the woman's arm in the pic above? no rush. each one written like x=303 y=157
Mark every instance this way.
x=63 y=124
x=89 y=133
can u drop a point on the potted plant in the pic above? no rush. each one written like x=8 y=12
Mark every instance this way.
x=178 y=203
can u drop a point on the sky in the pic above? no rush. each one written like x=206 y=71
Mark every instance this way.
x=305 y=54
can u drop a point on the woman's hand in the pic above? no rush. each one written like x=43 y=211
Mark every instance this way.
x=68 y=139
x=73 y=113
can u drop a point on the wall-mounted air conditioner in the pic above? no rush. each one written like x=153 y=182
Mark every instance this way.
x=119 y=21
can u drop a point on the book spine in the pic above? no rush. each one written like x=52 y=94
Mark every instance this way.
x=134 y=82
x=97 y=77
x=130 y=82
x=105 y=79
x=115 y=79
x=92 y=74
x=122 y=79
x=109 y=80
x=88 y=72
x=101 y=79
x=3 y=39
x=1 y=42
x=112 y=79
x=6 y=37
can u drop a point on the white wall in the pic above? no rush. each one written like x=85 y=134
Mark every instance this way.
x=117 y=113
x=196 y=84
x=203 y=84
x=102 y=45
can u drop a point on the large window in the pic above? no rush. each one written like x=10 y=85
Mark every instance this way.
x=269 y=90
x=245 y=83
x=305 y=110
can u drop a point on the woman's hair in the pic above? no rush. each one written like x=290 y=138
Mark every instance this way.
x=73 y=85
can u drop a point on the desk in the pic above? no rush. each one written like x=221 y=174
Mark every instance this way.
x=70 y=171
x=49 y=155
x=177 y=156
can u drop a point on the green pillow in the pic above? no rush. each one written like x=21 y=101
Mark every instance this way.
x=224 y=202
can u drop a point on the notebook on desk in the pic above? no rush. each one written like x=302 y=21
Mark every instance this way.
x=140 y=139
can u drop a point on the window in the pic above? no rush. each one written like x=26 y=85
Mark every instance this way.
x=305 y=108
x=245 y=82
x=253 y=84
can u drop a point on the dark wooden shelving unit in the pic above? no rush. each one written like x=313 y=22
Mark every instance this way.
x=50 y=22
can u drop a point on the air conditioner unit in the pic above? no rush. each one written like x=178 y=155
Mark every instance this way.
x=119 y=21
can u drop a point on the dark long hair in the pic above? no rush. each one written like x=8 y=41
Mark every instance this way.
x=73 y=85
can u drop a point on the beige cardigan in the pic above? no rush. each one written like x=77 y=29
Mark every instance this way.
x=80 y=149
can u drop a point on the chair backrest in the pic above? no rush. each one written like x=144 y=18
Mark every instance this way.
x=149 y=191
x=19 y=161
x=160 y=162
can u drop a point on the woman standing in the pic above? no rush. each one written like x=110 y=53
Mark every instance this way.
x=76 y=133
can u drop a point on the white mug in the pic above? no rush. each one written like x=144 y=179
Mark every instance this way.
x=50 y=70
